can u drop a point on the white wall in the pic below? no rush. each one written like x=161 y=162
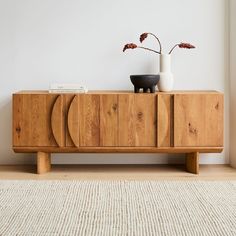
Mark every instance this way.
x=233 y=83
x=45 y=41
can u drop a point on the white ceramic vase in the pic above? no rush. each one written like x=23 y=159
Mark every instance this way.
x=166 y=82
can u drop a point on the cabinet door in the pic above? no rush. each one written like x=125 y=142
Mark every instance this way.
x=93 y=120
x=84 y=120
x=111 y=120
x=137 y=120
x=198 y=120
x=32 y=120
x=164 y=120
x=59 y=120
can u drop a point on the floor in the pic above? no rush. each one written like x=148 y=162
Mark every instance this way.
x=119 y=172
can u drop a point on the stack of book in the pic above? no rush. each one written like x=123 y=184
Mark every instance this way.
x=67 y=88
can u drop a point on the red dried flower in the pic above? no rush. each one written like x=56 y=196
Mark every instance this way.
x=182 y=45
x=129 y=46
x=142 y=37
x=186 y=45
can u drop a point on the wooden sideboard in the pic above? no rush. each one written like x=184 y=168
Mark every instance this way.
x=189 y=122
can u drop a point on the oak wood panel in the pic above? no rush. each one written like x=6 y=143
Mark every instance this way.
x=109 y=120
x=43 y=162
x=145 y=120
x=126 y=132
x=164 y=116
x=137 y=120
x=73 y=121
x=119 y=149
x=31 y=120
x=58 y=121
x=89 y=119
x=215 y=120
x=198 y=120
x=192 y=162
x=67 y=102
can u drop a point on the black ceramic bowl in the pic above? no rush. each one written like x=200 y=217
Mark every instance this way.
x=145 y=82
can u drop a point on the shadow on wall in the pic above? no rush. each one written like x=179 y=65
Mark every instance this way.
x=7 y=156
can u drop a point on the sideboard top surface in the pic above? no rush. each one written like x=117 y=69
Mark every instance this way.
x=123 y=92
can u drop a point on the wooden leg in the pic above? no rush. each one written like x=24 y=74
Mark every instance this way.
x=43 y=162
x=192 y=162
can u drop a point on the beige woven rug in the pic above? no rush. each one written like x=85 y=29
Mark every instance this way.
x=117 y=208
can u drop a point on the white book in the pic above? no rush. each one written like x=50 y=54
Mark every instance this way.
x=67 y=88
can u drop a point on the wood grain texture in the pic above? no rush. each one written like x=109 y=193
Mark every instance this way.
x=67 y=102
x=109 y=120
x=126 y=132
x=117 y=121
x=58 y=121
x=192 y=162
x=215 y=120
x=32 y=120
x=43 y=162
x=89 y=119
x=73 y=121
x=137 y=120
x=164 y=117
x=119 y=149
x=198 y=120
x=145 y=119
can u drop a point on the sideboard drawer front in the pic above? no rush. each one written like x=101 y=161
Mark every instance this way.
x=73 y=122
x=93 y=120
x=198 y=120
x=137 y=120
x=84 y=120
x=164 y=120
x=109 y=120
x=32 y=120
x=98 y=120
x=89 y=120
x=113 y=120
x=68 y=98
x=58 y=121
